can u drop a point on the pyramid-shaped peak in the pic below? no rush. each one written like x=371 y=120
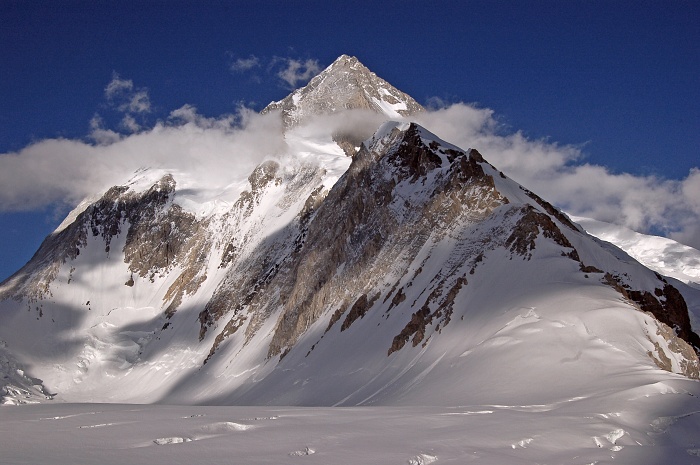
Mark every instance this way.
x=346 y=58
x=345 y=84
x=342 y=59
x=347 y=61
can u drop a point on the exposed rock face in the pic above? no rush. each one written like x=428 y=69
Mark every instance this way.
x=159 y=236
x=424 y=317
x=528 y=228
x=252 y=258
x=358 y=310
x=549 y=208
x=689 y=363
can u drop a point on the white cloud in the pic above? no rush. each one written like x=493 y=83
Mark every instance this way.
x=245 y=64
x=216 y=151
x=139 y=102
x=125 y=99
x=297 y=72
x=291 y=71
x=118 y=86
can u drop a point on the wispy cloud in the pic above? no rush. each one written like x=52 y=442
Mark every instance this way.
x=128 y=102
x=245 y=64
x=295 y=72
x=291 y=72
x=118 y=86
x=122 y=94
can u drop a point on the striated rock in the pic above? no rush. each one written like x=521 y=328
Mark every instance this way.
x=159 y=235
x=522 y=240
x=424 y=317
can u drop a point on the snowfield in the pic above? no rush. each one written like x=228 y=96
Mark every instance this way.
x=574 y=431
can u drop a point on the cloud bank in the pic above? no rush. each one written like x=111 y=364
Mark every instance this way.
x=64 y=172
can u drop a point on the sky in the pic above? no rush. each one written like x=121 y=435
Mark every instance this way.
x=595 y=105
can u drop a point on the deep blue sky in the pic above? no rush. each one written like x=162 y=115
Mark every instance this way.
x=623 y=77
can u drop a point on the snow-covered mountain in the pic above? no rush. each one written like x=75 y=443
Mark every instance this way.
x=400 y=270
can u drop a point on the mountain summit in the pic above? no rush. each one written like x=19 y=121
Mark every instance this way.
x=412 y=273
x=345 y=84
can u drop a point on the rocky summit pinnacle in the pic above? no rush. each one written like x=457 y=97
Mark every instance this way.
x=345 y=84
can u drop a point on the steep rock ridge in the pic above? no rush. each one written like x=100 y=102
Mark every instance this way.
x=522 y=240
x=424 y=228
x=381 y=198
x=345 y=84
x=332 y=258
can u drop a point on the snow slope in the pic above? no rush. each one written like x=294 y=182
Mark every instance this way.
x=577 y=432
